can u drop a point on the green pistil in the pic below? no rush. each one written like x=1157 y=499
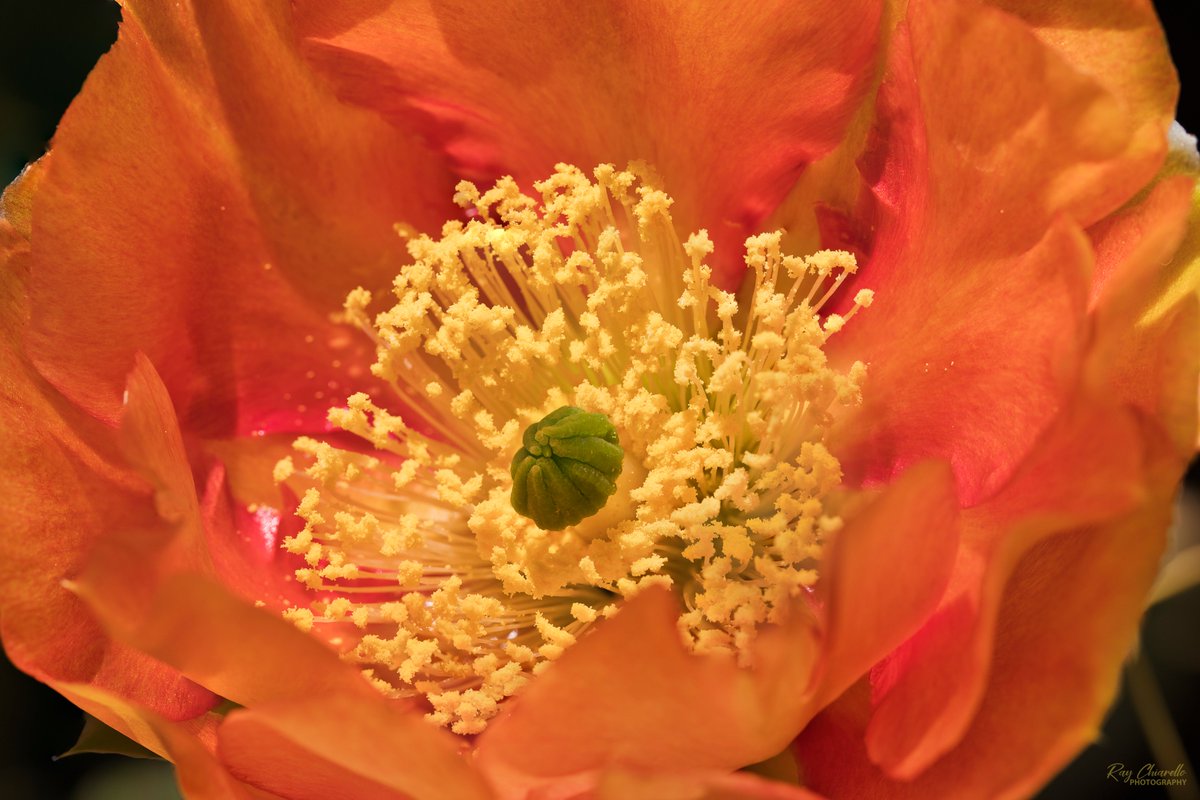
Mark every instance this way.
x=567 y=468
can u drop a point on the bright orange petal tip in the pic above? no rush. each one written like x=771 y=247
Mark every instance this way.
x=892 y=307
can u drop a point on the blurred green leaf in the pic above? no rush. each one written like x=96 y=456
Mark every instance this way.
x=96 y=737
x=122 y=779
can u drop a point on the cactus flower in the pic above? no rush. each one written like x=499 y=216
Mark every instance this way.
x=600 y=401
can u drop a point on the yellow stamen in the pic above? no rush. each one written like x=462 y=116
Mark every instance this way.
x=585 y=299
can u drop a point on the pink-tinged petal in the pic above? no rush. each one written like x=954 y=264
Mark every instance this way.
x=209 y=202
x=247 y=517
x=728 y=102
x=933 y=392
x=208 y=538
x=885 y=573
x=245 y=544
x=927 y=692
x=1052 y=631
x=972 y=228
x=327 y=746
x=250 y=463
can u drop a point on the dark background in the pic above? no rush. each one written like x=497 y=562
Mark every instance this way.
x=47 y=48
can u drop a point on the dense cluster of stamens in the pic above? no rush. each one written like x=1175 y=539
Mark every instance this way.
x=587 y=299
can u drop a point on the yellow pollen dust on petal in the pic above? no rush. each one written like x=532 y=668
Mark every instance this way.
x=423 y=573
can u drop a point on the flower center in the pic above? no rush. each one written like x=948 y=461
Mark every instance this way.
x=664 y=434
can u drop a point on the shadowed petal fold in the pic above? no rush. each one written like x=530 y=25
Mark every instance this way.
x=1051 y=633
x=975 y=213
x=728 y=102
x=210 y=203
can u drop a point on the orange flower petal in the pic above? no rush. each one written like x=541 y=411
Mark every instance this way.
x=1016 y=340
x=622 y=784
x=1161 y=382
x=1115 y=44
x=978 y=257
x=1120 y=45
x=729 y=103
x=244 y=545
x=664 y=708
x=631 y=693
x=282 y=663
x=1145 y=318
x=324 y=746
x=296 y=688
x=16 y=205
x=63 y=492
x=199 y=773
x=885 y=573
x=145 y=586
x=271 y=761
x=247 y=516
x=1052 y=631
x=209 y=202
x=961 y=193
x=927 y=692
x=1131 y=246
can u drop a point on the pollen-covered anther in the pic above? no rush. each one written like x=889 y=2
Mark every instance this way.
x=665 y=434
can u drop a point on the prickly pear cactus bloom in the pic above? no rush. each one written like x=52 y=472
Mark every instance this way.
x=482 y=566
x=357 y=444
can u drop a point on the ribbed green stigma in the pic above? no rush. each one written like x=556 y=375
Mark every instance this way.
x=567 y=468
